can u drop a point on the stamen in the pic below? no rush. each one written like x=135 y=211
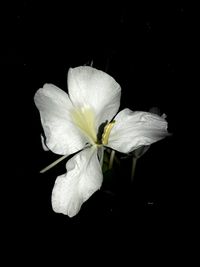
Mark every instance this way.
x=53 y=164
x=106 y=132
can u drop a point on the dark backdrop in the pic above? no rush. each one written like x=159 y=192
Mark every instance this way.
x=145 y=48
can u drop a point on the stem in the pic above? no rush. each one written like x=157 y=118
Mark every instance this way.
x=53 y=164
x=134 y=161
x=112 y=156
x=101 y=155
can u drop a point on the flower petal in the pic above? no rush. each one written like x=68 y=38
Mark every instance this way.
x=83 y=178
x=88 y=86
x=62 y=136
x=135 y=129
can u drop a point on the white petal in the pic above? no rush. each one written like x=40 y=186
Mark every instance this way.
x=83 y=178
x=134 y=129
x=88 y=86
x=62 y=136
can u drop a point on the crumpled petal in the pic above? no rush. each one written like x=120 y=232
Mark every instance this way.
x=135 y=129
x=62 y=136
x=88 y=86
x=43 y=143
x=83 y=178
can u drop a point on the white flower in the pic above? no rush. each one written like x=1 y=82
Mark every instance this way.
x=72 y=123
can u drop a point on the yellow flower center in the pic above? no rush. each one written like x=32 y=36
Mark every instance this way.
x=84 y=118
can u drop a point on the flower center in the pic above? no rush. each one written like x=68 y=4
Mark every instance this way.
x=84 y=118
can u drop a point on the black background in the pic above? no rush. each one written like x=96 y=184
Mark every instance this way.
x=145 y=47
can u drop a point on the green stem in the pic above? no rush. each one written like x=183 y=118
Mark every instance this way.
x=134 y=161
x=112 y=156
